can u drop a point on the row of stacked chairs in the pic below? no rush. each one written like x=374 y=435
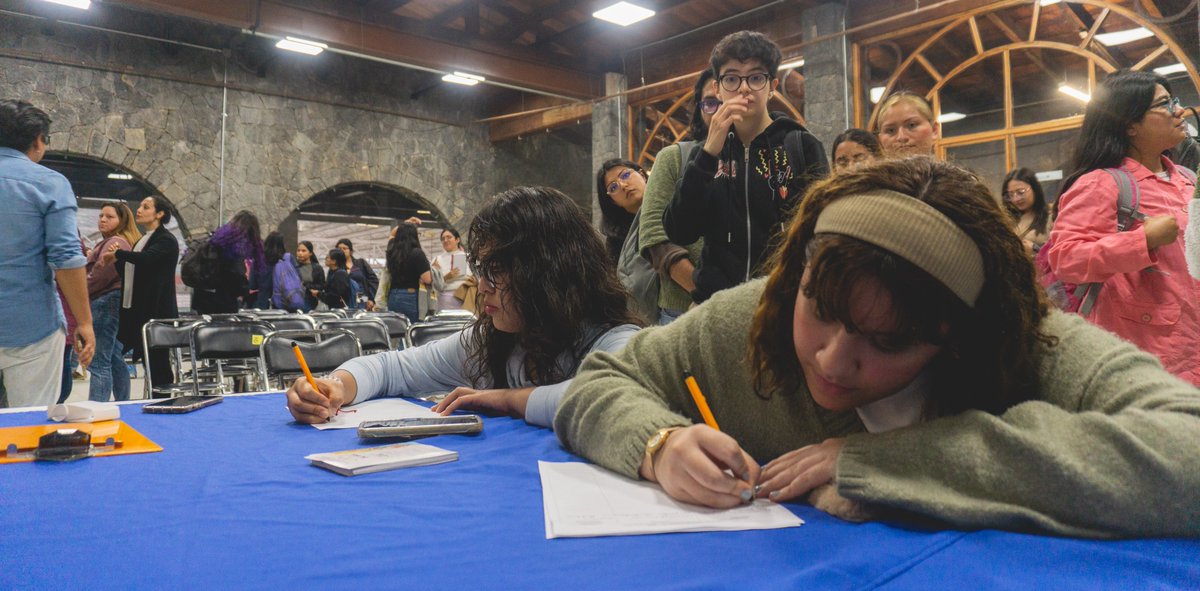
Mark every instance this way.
x=251 y=350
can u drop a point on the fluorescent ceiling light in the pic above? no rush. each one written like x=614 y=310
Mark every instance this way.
x=469 y=76
x=1073 y=92
x=120 y=176
x=877 y=93
x=950 y=117
x=1048 y=2
x=301 y=46
x=623 y=13
x=424 y=212
x=84 y=4
x=1171 y=69
x=459 y=80
x=792 y=64
x=1125 y=36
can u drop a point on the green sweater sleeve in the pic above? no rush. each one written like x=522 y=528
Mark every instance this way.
x=1111 y=449
x=660 y=189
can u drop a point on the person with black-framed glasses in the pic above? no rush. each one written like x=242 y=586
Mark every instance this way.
x=753 y=168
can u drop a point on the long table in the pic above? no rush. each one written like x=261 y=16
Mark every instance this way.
x=231 y=503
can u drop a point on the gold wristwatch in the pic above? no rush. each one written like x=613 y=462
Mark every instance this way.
x=656 y=442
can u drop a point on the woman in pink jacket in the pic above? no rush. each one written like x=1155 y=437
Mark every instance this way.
x=1147 y=296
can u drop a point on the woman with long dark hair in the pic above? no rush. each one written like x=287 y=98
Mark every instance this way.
x=1025 y=201
x=1146 y=295
x=900 y=361
x=854 y=148
x=360 y=272
x=337 y=292
x=408 y=268
x=148 y=283
x=549 y=296
x=620 y=186
x=238 y=242
x=311 y=274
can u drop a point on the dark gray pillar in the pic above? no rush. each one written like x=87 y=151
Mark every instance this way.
x=827 y=76
x=609 y=129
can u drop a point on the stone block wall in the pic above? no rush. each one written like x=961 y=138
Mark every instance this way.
x=306 y=124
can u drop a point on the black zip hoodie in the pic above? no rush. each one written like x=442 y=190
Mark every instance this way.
x=740 y=215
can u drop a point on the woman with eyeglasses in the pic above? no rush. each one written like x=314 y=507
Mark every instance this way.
x=854 y=148
x=549 y=296
x=1146 y=295
x=620 y=186
x=754 y=167
x=1026 y=203
x=675 y=263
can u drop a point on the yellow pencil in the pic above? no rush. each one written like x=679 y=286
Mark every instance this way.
x=304 y=366
x=701 y=403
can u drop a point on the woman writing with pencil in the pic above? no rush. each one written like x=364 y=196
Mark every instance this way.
x=900 y=361
x=519 y=356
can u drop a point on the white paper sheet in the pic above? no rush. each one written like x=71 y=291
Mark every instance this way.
x=583 y=500
x=380 y=409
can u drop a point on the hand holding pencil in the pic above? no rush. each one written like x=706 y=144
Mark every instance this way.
x=313 y=400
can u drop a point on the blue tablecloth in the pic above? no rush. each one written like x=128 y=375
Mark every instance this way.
x=232 y=503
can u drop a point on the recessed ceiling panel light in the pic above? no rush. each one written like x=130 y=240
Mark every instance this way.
x=301 y=45
x=877 y=93
x=623 y=13
x=84 y=4
x=1126 y=36
x=459 y=80
x=792 y=64
x=470 y=76
x=1048 y=2
x=1171 y=69
x=1073 y=92
x=950 y=117
x=120 y=176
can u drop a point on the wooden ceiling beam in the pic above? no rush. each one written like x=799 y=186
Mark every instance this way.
x=539 y=121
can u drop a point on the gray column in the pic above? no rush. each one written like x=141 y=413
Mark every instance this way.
x=609 y=128
x=827 y=76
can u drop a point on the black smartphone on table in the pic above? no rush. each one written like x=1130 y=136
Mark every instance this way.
x=420 y=427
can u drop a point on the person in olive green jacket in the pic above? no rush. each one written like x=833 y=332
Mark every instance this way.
x=674 y=263
x=900 y=362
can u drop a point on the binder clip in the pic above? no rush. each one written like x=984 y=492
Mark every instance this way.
x=62 y=445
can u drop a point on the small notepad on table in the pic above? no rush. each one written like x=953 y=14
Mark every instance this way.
x=353 y=462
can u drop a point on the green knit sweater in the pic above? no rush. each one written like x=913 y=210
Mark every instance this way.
x=660 y=189
x=1109 y=448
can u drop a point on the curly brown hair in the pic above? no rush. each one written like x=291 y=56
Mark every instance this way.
x=560 y=279
x=987 y=360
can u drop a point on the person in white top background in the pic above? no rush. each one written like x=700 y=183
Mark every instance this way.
x=454 y=268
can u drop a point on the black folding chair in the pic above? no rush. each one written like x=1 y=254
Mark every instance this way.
x=372 y=333
x=292 y=322
x=397 y=326
x=174 y=335
x=323 y=349
x=427 y=332
x=228 y=341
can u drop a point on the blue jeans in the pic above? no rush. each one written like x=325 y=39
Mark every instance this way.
x=404 y=302
x=109 y=373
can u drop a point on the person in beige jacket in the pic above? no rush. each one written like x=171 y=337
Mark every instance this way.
x=899 y=362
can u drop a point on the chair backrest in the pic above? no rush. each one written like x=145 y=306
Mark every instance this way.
x=228 y=340
x=452 y=315
x=397 y=326
x=372 y=333
x=168 y=333
x=268 y=312
x=319 y=317
x=293 y=322
x=341 y=312
x=427 y=332
x=231 y=317
x=324 y=350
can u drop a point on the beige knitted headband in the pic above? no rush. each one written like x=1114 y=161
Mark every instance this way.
x=912 y=229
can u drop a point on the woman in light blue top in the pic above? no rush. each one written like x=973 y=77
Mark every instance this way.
x=549 y=295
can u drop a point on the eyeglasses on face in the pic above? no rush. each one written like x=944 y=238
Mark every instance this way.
x=710 y=105
x=621 y=178
x=756 y=81
x=1170 y=104
x=1015 y=193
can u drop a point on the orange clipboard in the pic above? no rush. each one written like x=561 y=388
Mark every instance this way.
x=127 y=439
